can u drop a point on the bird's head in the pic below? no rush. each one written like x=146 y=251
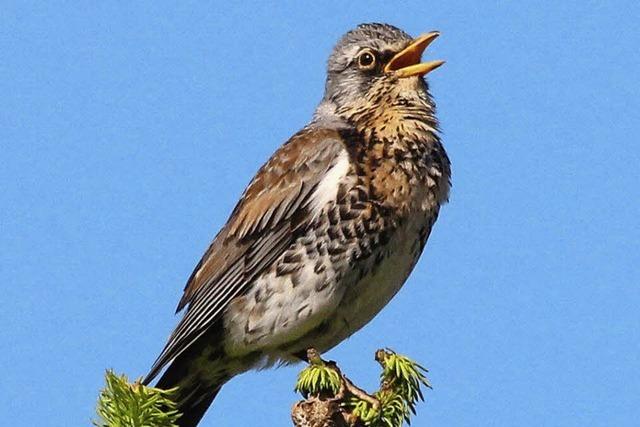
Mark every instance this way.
x=375 y=67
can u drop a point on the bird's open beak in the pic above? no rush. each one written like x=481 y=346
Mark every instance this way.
x=407 y=62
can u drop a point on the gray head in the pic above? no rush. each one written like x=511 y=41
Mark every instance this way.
x=372 y=61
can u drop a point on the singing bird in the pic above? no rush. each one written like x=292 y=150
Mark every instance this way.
x=327 y=231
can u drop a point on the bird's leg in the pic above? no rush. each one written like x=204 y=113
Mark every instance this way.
x=312 y=356
x=302 y=355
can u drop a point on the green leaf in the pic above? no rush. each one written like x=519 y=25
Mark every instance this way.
x=401 y=388
x=122 y=404
x=317 y=379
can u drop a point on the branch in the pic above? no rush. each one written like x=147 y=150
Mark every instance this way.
x=332 y=400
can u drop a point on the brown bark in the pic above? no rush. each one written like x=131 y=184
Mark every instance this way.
x=315 y=412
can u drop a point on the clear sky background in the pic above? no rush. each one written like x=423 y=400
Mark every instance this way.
x=128 y=132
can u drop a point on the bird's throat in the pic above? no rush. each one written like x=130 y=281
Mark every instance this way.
x=403 y=111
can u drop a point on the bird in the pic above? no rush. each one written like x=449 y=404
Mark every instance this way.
x=326 y=232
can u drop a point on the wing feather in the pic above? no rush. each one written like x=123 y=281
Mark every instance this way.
x=272 y=211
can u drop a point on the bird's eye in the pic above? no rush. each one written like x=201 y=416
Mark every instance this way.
x=367 y=60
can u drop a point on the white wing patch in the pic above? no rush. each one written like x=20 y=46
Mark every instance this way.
x=327 y=190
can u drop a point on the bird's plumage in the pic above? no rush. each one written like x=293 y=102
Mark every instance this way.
x=280 y=202
x=324 y=235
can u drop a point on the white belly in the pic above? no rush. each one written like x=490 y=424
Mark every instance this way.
x=281 y=316
x=363 y=300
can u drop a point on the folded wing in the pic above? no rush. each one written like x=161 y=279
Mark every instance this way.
x=278 y=205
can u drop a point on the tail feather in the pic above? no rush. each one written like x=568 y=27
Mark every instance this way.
x=195 y=393
x=199 y=373
x=193 y=411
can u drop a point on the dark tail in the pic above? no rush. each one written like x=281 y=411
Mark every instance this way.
x=195 y=393
x=199 y=373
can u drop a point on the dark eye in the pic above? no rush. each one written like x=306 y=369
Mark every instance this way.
x=367 y=60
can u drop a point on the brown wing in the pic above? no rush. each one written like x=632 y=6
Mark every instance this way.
x=272 y=211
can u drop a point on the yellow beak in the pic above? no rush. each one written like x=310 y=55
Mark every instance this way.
x=407 y=62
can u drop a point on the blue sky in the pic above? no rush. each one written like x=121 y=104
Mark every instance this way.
x=128 y=132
